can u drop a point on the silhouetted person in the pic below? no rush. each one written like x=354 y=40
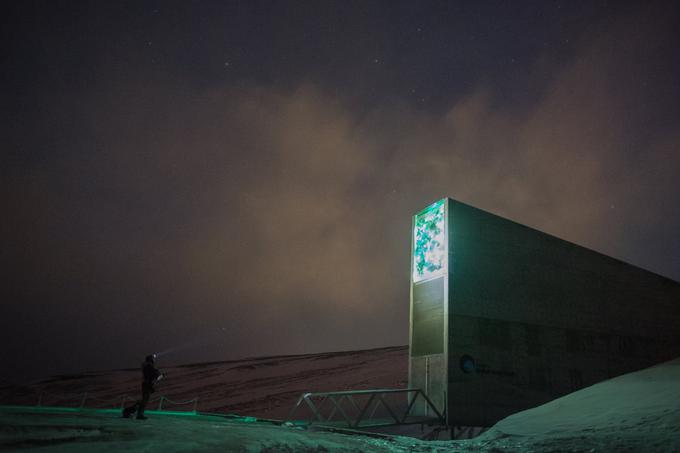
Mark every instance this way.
x=151 y=376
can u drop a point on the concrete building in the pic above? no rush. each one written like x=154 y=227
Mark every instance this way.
x=505 y=317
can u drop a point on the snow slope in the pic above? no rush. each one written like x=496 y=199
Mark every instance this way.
x=638 y=411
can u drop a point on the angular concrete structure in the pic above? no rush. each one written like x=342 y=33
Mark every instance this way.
x=505 y=317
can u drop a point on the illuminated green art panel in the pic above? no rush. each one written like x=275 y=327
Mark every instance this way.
x=429 y=242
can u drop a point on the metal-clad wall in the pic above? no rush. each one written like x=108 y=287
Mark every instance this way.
x=428 y=369
x=543 y=317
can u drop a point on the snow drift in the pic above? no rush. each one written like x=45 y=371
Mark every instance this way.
x=638 y=411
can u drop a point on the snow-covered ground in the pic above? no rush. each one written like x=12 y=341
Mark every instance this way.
x=96 y=431
x=636 y=412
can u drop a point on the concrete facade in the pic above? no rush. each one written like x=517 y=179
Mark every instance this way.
x=519 y=317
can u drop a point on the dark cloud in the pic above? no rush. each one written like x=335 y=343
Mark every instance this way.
x=144 y=212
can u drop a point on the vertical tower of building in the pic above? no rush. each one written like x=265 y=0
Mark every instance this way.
x=428 y=345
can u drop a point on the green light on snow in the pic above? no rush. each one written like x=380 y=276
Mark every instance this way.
x=429 y=251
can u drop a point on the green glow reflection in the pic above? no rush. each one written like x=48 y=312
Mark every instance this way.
x=429 y=239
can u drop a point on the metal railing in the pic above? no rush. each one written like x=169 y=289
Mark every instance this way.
x=163 y=399
x=357 y=408
x=82 y=400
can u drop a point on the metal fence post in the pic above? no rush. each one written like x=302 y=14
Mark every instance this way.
x=160 y=403
x=82 y=403
x=196 y=405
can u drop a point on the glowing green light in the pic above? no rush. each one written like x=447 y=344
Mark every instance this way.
x=429 y=242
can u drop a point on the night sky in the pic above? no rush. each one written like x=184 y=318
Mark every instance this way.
x=228 y=179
